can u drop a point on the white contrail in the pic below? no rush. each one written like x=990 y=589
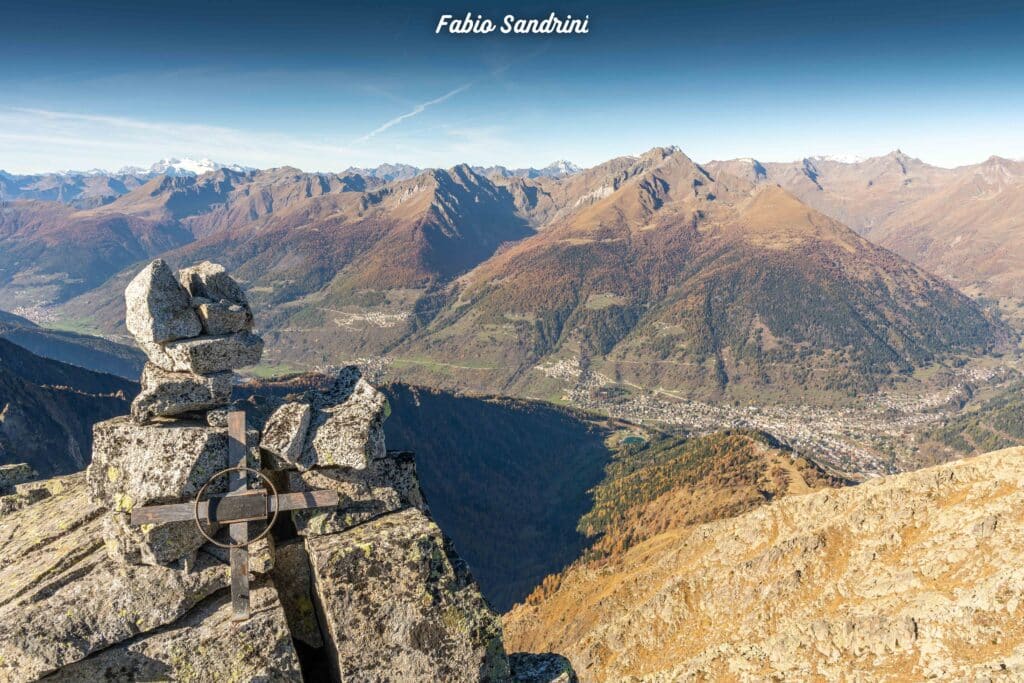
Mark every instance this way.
x=417 y=110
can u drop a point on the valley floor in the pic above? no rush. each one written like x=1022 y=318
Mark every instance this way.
x=869 y=435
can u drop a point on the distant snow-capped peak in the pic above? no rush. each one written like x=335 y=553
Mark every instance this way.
x=190 y=167
x=174 y=166
x=563 y=167
x=841 y=158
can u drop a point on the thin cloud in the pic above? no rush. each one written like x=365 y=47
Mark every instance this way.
x=416 y=111
x=122 y=122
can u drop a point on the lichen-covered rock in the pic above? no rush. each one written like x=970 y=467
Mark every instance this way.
x=295 y=589
x=61 y=599
x=223 y=317
x=157 y=308
x=162 y=462
x=285 y=433
x=207 y=354
x=398 y=605
x=261 y=553
x=349 y=433
x=149 y=543
x=211 y=281
x=386 y=485
x=12 y=475
x=174 y=393
x=204 y=647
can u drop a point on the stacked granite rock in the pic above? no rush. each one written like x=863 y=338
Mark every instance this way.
x=195 y=327
x=393 y=600
x=372 y=588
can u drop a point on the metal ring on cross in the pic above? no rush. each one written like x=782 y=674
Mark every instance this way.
x=199 y=498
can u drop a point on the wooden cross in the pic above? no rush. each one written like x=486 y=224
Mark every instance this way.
x=236 y=508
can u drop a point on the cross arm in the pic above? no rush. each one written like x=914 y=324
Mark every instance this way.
x=181 y=512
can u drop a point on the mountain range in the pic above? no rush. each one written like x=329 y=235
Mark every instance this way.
x=627 y=544
x=963 y=224
x=653 y=271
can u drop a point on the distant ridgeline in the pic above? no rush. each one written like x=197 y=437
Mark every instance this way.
x=648 y=271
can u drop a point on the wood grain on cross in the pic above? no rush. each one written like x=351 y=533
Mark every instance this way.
x=237 y=508
x=238 y=531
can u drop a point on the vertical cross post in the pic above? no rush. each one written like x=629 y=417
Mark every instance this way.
x=239 y=531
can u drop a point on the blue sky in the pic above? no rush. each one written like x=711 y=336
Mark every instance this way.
x=323 y=86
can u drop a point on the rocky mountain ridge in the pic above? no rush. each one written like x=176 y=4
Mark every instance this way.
x=960 y=223
x=343 y=264
x=366 y=587
x=906 y=577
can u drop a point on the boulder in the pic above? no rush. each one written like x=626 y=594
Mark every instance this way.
x=174 y=393
x=338 y=390
x=386 y=485
x=12 y=475
x=398 y=605
x=152 y=544
x=207 y=354
x=204 y=647
x=157 y=308
x=285 y=432
x=349 y=433
x=163 y=462
x=222 y=317
x=211 y=281
x=295 y=589
x=61 y=599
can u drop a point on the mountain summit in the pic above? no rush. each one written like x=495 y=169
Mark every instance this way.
x=182 y=167
x=667 y=275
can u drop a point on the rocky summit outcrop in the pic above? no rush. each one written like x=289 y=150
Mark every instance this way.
x=367 y=590
x=912 y=577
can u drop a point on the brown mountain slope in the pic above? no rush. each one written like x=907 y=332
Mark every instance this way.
x=963 y=224
x=859 y=194
x=336 y=269
x=691 y=282
x=50 y=252
x=671 y=482
x=902 y=578
x=971 y=231
x=47 y=410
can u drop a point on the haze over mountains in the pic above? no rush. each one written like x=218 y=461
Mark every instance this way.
x=652 y=270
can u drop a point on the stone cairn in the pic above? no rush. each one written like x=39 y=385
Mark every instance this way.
x=368 y=590
x=195 y=327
